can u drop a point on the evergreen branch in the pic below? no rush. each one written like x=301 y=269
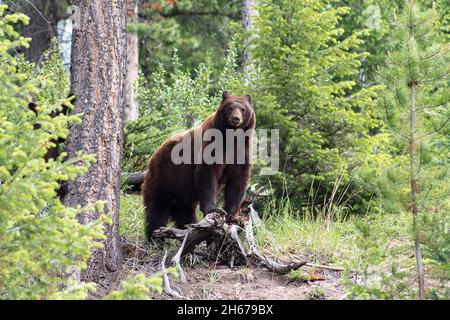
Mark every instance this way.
x=388 y=117
x=428 y=192
x=23 y=166
x=444 y=55
x=335 y=131
x=434 y=105
x=444 y=77
x=445 y=195
x=423 y=22
x=440 y=127
x=422 y=35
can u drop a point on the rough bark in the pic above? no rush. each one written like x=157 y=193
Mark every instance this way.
x=98 y=82
x=132 y=104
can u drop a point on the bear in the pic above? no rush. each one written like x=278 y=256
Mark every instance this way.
x=175 y=190
x=52 y=152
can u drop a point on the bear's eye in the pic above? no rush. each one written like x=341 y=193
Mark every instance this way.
x=243 y=109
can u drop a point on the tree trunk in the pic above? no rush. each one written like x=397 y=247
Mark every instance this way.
x=248 y=12
x=44 y=16
x=414 y=190
x=132 y=104
x=98 y=83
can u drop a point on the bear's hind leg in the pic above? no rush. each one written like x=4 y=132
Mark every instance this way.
x=156 y=216
x=183 y=215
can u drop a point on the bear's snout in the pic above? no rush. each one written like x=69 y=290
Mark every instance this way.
x=235 y=118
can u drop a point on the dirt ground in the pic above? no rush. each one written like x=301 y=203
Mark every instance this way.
x=256 y=284
x=206 y=280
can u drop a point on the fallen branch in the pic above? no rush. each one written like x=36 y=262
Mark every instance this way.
x=266 y=261
x=166 y=282
x=320 y=266
x=224 y=242
x=133 y=181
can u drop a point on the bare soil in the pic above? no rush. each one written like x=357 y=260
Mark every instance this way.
x=221 y=282
x=207 y=280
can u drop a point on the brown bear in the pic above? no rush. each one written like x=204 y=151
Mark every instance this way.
x=174 y=190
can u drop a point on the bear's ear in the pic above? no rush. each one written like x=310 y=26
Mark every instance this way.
x=225 y=95
x=248 y=98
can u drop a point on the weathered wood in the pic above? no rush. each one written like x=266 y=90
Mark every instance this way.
x=133 y=181
x=321 y=266
x=167 y=289
x=228 y=246
x=208 y=229
x=98 y=83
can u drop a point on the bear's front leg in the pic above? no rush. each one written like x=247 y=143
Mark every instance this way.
x=235 y=188
x=207 y=188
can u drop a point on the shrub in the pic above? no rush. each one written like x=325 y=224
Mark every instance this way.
x=304 y=83
x=41 y=241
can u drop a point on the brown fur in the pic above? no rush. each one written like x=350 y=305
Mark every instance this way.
x=175 y=191
x=52 y=152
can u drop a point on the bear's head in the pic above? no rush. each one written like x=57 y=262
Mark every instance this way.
x=235 y=112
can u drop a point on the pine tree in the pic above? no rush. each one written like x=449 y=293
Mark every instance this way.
x=416 y=104
x=98 y=66
x=305 y=86
x=41 y=242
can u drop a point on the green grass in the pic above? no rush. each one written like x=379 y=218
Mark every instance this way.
x=324 y=238
x=131 y=217
x=328 y=238
x=376 y=246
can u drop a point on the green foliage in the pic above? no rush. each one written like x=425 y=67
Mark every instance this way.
x=131 y=217
x=195 y=28
x=434 y=232
x=137 y=287
x=317 y=293
x=383 y=272
x=41 y=241
x=377 y=16
x=415 y=103
x=304 y=84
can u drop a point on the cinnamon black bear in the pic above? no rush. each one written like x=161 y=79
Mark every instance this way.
x=174 y=190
